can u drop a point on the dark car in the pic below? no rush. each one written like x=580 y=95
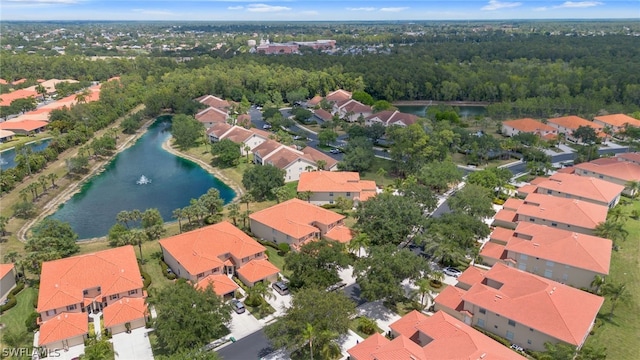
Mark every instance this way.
x=238 y=306
x=280 y=287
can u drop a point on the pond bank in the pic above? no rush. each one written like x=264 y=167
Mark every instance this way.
x=434 y=102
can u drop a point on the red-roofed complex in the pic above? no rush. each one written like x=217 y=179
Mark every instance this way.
x=338 y=96
x=214 y=102
x=222 y=285
x=616 y=122
x=528 y=126
x=7 y=279
x=633 y=158
x=612 y=170
x=24 y=127
x=526 y=309
x=568 y=214
x=327 y=186
x=571 y=186
x=438 y=337
x=210 y=116
x=564 y=256
x=127 y=310
x=388 y=118
x=220 y=249
x=294 y=162
x=7 y=99
x=568 y=124
x=74 y=286
x=351 y=110
x=251 y=138
x=294 y=222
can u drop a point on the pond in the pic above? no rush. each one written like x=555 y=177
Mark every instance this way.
x=7 y=157
x=141 y=177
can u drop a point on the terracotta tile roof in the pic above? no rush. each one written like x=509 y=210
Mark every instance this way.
x=340 y=234
x=630 y=157
x=582 y=186
x=391 y=117
x=369 y=190
x=506 y=215
x=471 y=275
x=5 y=269
x=257 y=270
x=567 y=211
x=512 y=204
x=124 y=310
x=203 y=249
x=212 y=115
x=538 y=180
x=262 y=133
x=528 y=125
x=541 y=304
x=3 y=82
x=561 y=246
x=6 y=134
x=296 y=218
x=527 y=189
x=63 y=281
x=618 y=120
x=355 y=107
x=622 y=170
x=214 y=102
x=338 y=95
x=400 y=348
x=266 y=148
x=50 y=85
x=451 y=297
x=567 y=170
x=365 y=349
x=19 y=81
x=222 y=285
x=219 y=129
x=242 y=118
x=323 y=114
x=23 y=125
x=315 y=155
x=327 y=181
x=573 y=122
x=7 y=99
x=493 y=250
x=63 y=326
x=238 y=134
x=283 y=157
x=501 y=235
x=314 y=101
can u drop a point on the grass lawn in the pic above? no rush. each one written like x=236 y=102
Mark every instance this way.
x=402 y=307
x=15 y=317
x=381 y=180
x=277 y=260
x=620 y=335
x=353 y=325
x=260 y=311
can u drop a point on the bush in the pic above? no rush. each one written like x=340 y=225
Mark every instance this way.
x=366 y=325
x=253 y=301
x=436 y=284
x=495 y=337
x=328 y=206
x=283 y=248
x=165 y=270
x=10 y=303
x=498 y=201
x=32 y=321
x=171 y=276
x=146 y=279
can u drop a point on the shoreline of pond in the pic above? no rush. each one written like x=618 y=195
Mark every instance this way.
x=436 y=102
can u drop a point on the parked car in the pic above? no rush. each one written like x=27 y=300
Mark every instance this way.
x=451 y=271
x=266 y=126
x=335 y=287
x=517 y=347
x=280 y=287
x=334 y=151
x=238 y=306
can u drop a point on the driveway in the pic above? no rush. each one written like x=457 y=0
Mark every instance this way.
x=135 y=345
x=243 y=324
x=279 y=302
x=380 y=313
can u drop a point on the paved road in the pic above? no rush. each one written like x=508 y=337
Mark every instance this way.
x=254 y=346
x=522 y=167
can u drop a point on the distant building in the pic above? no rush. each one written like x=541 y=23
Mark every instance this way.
x=568 y=124
x=327 y=186
x=528 y=126
x=616 y=122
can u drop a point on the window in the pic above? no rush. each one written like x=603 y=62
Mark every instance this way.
x=548 y=191
x=509 y=335
x=523 y=257
x=480 y=323
x=512 y=323
x=548 y=273
x=348 y=193
x=113 y=297
x=71 y=307
x=531 y=329
x=550 y=263
x=565 y=277
x=200 y=275
x=522 y=266
x=482 y=311
x=533 y=220
x=529 y=341
x=247 y=258
x=330 y=201
x=554 y=224
x=85 y=292
x=331 y=194
x=132 y=292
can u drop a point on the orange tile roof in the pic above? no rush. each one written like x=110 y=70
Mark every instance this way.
x=214 y=101
x=238 y=134
x=493 y=250
x=340 y=234
x=538 y=303
x=390 y=117
x=3 y=82
x=567 y=170
x=124 y=310
x=567 y=211
x=328 y=181
x=19 y=81
x=222 y=285
x=561 y=246
x=512 y=204
x=62 y=281
x=323 y=114
x=212 y=115
x=7 y=99
x=262 y=133
x=64 y=326
x=573 y=122
x=364 y=349
x=201 y=250
x=338 y=95
x=23 y=125
x=471 y=275
x=266 y=148
x=219 y=129
x=538 y=180
x=582 y=186
x=622 y=170
x=618 y=120
x=314 y=155
x=630 y=157
x=506 y=215
x=314 y=101
x=5 y=269
x=529 y=125
x=295 y=218
x=257 y=270
x=527 y=189
x=451 y=297
x=355 y=107
x=501 y=234
x=283 y=157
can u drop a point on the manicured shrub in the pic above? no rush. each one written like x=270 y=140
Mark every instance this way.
x=32 y=321
x=366 y=325
x=283 y=248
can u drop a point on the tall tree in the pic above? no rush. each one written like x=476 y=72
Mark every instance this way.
x=186 y=130
x=617 y=292
x=152 y=223
x=473 y=200
x=227 y=152
x=259 y=180
x=316 y=264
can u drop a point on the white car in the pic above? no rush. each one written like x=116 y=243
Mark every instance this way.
x=451 y=271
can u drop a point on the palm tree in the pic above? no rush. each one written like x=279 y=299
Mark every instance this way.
x=123 y=217
x=178 y=215
x=98 y=349
x=309 y=334
x=42 y=181
x=612 y=230
x=305 y=195
x=423 y=291
x=358 y=242
x=617 y=214
x=234 y=212
x=247 y=150
x=15 y=338
x=53 y=177
x=81 y=97
x=616 y=293
x=634 y=188
x=597 y=283
x=15 y=258
x=260 y=290
x=3 y=225
x=246 y=198
x=321 y=164
x=137 y=238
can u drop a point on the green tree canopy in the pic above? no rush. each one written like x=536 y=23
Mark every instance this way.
x=316 y=264
x=186 y=130
x=259 y=180
x=473 y=200
x=227 y=152
x=439 y=176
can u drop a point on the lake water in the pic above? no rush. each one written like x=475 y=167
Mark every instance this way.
x=174 y=182
x=465 y=111
x=7 y=157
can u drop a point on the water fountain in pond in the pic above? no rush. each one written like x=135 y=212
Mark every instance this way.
x=143 y=180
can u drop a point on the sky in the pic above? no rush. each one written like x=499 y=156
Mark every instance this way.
x=308 y=10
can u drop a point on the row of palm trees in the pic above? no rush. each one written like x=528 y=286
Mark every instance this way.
x=42 y=182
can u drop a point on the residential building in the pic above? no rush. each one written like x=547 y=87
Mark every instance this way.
x=7 y=279
x=295 y=221
x=24 y=127
x=567 y=214
x=389 y=118
x=616 y=122
x=338 y=96
x=322 y=115
x=327 y=186
x=275 y=48
x=567 y=257
x=572 y=186
x=220 y=249
x=528 y=126
x=74 y=286
x=131 y=311
x=250 y=138
x=351 y=110
x=526 y=309
x=8 y=98
x=613 y=170
x=214 y=102
x=437 y=337
x=633 y=157
x=294 y=162
x=568 y=124
x=6 y=135
x=210 y=116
